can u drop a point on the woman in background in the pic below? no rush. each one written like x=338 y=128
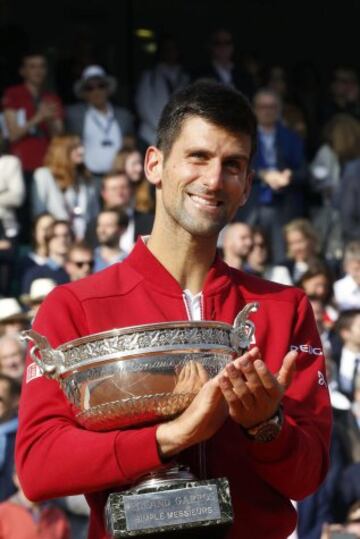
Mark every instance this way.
x=130 y=160
x=63 y=186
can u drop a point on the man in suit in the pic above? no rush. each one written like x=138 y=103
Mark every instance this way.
x=101 y=125
x=222 y=66
x=279 y=163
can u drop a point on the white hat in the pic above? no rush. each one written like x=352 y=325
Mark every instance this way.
x=39 y=289
x=94 y=72
x=10 y=310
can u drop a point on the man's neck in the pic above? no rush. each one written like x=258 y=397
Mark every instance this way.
x=187 y=259
x=33 y=89
x=352 y=347
x=109 y=253
x=102 y=108
x=234 y=261
x=58 y=258
x=267 y=128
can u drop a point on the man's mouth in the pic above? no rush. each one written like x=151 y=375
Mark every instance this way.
x=205 y=201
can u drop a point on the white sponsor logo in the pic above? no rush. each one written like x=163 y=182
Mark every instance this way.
x=321 y=379
x=33 y=371
x=307 y=348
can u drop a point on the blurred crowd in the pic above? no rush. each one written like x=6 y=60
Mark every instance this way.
x=74 y=199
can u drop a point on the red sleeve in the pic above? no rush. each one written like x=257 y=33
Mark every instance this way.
x=56 y=457
x=296 y=462
x=56 y=99
x=9 y=100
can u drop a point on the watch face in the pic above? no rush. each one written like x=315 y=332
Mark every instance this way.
x=267 y=432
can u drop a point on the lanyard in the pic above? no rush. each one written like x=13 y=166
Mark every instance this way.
x=103 y=128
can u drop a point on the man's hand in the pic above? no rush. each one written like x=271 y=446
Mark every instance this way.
x=47 y=111
x=252 y=392
x=197 y=423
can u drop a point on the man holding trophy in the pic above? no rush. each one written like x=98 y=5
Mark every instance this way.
x=262 y=421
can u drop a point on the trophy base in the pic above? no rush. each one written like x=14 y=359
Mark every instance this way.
x=171 y=505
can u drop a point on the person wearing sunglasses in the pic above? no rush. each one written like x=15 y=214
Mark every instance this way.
x=80 y=261
x=101 y=125
x=223 y=66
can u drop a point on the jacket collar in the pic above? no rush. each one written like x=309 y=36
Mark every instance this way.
x=148 y=266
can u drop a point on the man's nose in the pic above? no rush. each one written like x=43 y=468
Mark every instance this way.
x=214 y=177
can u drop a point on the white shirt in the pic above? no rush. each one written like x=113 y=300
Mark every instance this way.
x=100 y=128
x=347 y=368
x=127 y=238
x=193 y=304
x=347 y=293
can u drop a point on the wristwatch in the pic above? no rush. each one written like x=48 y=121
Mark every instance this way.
x=268 y=430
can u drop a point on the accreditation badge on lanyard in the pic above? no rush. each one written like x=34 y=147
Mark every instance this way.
x=104 y=128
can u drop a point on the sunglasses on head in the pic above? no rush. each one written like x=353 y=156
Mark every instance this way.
x=81 y=263
x=95 y=86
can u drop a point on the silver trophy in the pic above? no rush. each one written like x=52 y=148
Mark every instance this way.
x=140 y=375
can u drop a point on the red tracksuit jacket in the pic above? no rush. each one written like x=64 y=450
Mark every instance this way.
x=56 y=457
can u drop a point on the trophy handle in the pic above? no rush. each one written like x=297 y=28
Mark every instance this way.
x=243 y=329
x=51 y=362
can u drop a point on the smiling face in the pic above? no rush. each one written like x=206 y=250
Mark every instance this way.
x=203 y=180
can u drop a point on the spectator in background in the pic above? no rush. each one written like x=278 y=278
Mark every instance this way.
x=302 y=246
x=80 y=261
x=20 y=518
x=12 y=318
x=131 y=161
x=12 y=193
x=349 y=199
x=117 y=192
x=38 y=254
x=156 y=86
x=32 y=116
x=223 y=67
x=58 y=243
x=12 y=357
x=63 y=187
x=237 y=244
x=257 y=261
x=347 y=289
x=101 y=126
x=110 y=225
x=291 y=114
x=344 y=94
x=317 y=282
x=278 y=192
x=39 y=289
x=336 y=160
x=9 y=398
x=348 y=361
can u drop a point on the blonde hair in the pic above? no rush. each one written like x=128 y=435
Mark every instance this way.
x=306 y=229
x=58 y=160
x=342 y=133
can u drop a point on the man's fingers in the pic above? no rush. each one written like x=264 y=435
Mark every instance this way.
x=287 y=370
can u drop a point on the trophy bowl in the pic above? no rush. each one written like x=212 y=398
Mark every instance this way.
x=143 y=374
x=140 y=374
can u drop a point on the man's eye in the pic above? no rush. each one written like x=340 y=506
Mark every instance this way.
x=233 y=166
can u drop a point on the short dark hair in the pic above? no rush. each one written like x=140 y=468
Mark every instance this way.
x=13 y=385
x=221 y=105
x=31 y=53
x=114 y=173
x=122 y=216
x=345 y=320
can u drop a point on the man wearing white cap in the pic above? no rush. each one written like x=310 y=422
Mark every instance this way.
x=101 y=125
x=12 y=318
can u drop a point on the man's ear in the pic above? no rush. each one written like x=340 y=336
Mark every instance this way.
x=153 y=165
x=248 y=184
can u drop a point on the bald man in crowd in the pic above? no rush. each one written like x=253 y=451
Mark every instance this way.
x=237 y=244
